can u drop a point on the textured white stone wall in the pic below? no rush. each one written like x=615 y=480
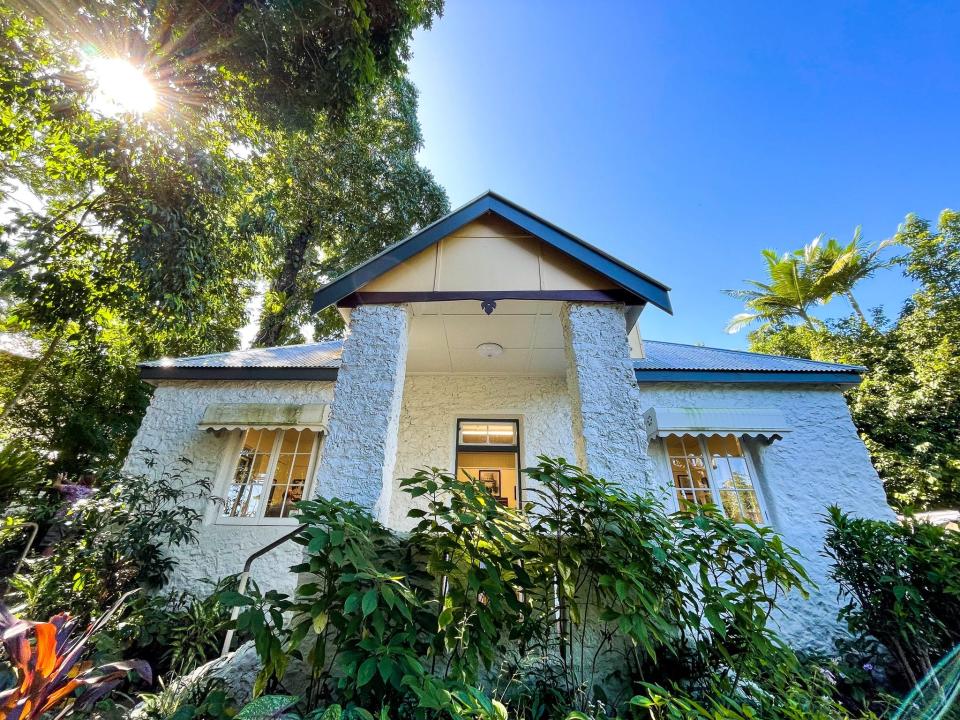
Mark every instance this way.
x=432 y=404
x=822 y=462
x=361 y=446
x=607 y=416
x=170 y=428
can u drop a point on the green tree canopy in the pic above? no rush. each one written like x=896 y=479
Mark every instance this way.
x=334 y=196
x=795 y=283
x=908 y=406
x=126 y=236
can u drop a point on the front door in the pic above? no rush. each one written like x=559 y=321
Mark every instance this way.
x=488 y=452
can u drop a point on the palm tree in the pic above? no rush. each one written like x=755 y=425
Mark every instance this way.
x=844 y=266
x=795 y=283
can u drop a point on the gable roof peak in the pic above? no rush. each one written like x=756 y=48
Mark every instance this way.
x=637 y=286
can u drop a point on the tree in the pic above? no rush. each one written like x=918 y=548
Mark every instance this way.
x=907 y=408
x=796 y=282
x=335 y=196
x=130 y=236
x=845 y=266
x=291 y=59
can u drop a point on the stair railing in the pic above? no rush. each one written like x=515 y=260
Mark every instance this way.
x=245 y=577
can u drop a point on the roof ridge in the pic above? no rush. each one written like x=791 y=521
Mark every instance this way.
x=639 y=286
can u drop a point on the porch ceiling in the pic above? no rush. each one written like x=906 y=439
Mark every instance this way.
x=444 y=337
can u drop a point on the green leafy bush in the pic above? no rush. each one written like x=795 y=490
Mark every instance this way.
x=116 y=540
x=176 y=632
x=902 y=586
x=203 y=700
x=590 y=591
x=20 y=470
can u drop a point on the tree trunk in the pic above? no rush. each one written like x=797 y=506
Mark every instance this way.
x=856 y=308
x=30 y=374
x=808 y=320
x=274 y=326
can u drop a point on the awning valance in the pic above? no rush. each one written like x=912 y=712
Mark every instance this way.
x=269 y=416
x=753 y=422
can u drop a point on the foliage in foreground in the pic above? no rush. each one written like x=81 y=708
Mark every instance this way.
x=593 y=602
x=116 y=540
x=902 y=586
x=45 y=660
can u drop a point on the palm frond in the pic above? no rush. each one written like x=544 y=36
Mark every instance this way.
x=740 y=321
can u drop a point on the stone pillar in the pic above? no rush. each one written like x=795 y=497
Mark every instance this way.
x=360 y=449
x=607 y=415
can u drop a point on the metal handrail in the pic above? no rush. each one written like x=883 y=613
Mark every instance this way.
x=245 y=577
x=33 y=536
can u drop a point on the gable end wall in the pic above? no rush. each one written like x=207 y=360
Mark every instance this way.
x=821 y=462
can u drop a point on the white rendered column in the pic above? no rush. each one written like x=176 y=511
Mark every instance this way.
x=608 y=431
x=360 y=449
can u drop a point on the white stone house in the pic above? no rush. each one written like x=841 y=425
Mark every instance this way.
x=476 y=344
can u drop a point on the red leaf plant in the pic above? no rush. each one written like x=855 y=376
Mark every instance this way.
x=49 y=671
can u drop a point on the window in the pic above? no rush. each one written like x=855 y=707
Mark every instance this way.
x=488 y=452
x=493 y=432
x=271 y=474
x=713 y=470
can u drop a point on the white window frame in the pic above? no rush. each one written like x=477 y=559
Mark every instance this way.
x=711 y=479
x=229 y=470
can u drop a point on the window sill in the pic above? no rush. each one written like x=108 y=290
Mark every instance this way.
x=258 y=522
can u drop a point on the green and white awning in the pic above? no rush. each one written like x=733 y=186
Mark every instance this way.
x=268 y=416
x=754 y=422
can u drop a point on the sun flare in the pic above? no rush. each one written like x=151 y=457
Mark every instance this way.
x=120 y=87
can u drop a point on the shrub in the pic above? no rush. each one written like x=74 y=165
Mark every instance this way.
x=902 y=586
x=175 y=632
x=20 y=470
x=206 y=699
x=589 y=589
x=118 y=539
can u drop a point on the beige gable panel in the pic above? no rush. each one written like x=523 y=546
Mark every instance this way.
x=414 y=275
x=559 y=271
x=488 y=254
x=492 y=226
x=488 y=262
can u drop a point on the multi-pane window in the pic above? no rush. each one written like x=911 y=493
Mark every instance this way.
x=271 y=474
x=713 y=470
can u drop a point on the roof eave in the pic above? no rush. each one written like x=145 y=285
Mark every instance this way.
x=749 y=376
x=152 y=373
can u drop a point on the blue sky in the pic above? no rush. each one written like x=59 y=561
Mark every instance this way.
x=684 y=137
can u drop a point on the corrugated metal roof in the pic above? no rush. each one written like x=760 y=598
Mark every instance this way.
x=307 y=355
x=660 y=356
x=674 y=356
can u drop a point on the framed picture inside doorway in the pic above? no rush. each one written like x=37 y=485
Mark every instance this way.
x=491 y=479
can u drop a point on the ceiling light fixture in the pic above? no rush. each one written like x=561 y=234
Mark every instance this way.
x=490 y=349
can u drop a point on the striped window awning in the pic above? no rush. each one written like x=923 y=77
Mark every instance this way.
x=754 y=422
x=269 y=416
